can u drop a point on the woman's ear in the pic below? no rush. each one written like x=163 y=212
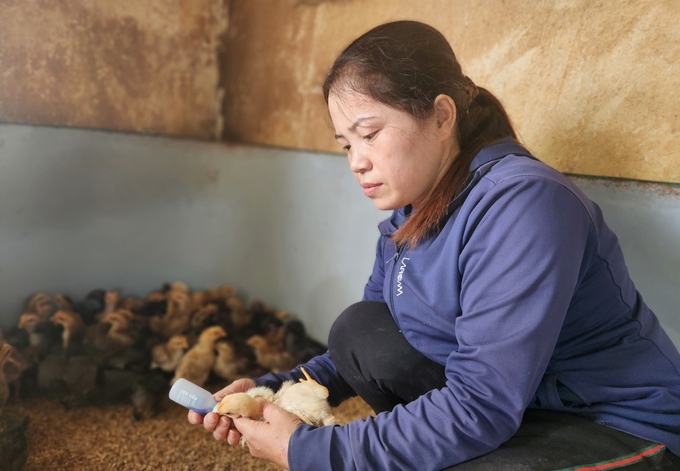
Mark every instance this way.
x=445 y=115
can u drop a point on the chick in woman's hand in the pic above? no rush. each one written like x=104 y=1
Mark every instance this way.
x=244 y=404
x=197 y=363
x=306 y=399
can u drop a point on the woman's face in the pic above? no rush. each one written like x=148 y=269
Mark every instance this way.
x=395 y=158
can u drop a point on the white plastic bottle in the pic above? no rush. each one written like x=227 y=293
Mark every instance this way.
x=192 y=397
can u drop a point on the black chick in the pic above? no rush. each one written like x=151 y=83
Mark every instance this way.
x=148 y=394
x=90 y=306
x=299 y=344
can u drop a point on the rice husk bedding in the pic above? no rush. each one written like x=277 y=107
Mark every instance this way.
x=105 y=438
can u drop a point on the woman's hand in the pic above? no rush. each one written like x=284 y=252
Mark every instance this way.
x=222 y=428
x=268 y=440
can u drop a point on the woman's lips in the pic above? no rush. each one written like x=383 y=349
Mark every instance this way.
x=370 y=188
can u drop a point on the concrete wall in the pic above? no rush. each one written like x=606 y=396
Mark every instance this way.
x=592 y=87
x=90 y=209
x=143 y=66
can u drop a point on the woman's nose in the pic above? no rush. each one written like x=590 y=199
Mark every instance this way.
x=358 y=162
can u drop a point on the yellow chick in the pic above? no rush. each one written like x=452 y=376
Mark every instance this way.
x=166 y=356
x=272 y=356
x=197 y=363
x=244 y=404
x=228 y=365
x=307 y=399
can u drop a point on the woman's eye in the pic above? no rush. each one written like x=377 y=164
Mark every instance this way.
x=347 y=148
x=369 y=137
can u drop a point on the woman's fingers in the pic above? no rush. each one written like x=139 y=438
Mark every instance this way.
x=195 y=418
x=210 y=421
x=240 y=385
x=222 y=428
x=233 y=436
x=269 y=440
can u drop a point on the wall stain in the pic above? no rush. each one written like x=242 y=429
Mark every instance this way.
x=147 y=67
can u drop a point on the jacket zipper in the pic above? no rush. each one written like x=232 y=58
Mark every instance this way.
x=395 y=258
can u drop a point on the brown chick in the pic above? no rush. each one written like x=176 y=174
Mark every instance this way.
x=41 y=304
x=155 y=297
x=131 y=303
x=166 y=356
x=177 y=316
x=110 y=301
x=63 y=302
x=14 y=367
x=199 y=298
x=240 y=317
x=4 y=386
x=120 y=328
x=228 y=365
x=272 y=356
x=200 y=318
x=31 y=323
x=197 y=363
x=219 y=295
x=73 y=330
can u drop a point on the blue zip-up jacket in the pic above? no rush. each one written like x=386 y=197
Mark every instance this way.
x=524 y=296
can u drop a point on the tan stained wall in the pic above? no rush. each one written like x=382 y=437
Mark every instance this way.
x=592 y=86
x=129 y=65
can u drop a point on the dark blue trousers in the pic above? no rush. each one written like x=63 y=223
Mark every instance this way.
x=374 y=358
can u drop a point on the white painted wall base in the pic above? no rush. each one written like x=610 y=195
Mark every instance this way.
x=82 y=209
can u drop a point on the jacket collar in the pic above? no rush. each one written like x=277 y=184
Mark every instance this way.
x=506 y=146
x=502 y=148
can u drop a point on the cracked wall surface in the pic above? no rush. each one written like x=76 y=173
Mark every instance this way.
x=592 y=87
x=143 y=66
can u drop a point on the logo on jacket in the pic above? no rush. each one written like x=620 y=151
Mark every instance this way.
x=400 y=289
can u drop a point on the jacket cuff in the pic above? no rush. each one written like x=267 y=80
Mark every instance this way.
x=315 y=448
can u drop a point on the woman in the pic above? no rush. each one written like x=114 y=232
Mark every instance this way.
x=497 y=289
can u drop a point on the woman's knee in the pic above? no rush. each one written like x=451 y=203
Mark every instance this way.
x=351 y=326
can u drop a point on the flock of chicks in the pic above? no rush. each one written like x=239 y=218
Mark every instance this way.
x=108 y=347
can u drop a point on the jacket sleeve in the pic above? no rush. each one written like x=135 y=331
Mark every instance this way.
x=520 y=262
